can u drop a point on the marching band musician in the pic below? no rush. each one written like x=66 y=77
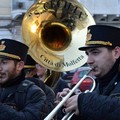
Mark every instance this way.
x=103 y=50
x=20 y=99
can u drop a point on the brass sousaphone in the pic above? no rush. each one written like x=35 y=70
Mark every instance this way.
x=54 y=30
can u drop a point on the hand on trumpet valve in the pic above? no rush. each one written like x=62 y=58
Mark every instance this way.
x=71 y=105
x=62 y=94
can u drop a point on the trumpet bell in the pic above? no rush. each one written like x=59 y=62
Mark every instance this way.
x=54 y=30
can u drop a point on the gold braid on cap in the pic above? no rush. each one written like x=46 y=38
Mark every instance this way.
x=10 y=55
x=29 y=66
x=98 y=43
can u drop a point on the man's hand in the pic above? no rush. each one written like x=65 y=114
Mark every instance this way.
x=71 y=104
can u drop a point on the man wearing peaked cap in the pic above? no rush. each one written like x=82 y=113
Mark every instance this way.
x=13 y=103
x=103 y=50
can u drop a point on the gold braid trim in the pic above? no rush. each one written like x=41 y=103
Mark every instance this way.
x=47 y=77
x=29 y=66
x=99 y=43
x=10 y=55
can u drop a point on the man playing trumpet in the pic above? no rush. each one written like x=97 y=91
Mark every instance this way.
x=103 y=50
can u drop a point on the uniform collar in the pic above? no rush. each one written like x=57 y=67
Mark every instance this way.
x=14 y=81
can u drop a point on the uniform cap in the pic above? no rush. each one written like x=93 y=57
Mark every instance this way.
x=30 y=62
x=13 y=49
x=102 y=35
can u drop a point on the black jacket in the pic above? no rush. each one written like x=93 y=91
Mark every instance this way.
x=61 y=84
x=50 y=98
x=33 y=108
x=50 y=95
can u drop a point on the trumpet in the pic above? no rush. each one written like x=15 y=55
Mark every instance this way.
x=64 y=99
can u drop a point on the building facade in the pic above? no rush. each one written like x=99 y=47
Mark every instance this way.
x=12 y=12
x=104 y=11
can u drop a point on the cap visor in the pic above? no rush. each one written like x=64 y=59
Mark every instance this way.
x=88 y=46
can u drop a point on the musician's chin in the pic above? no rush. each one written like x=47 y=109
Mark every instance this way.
x=95 y=72
x=3 y=79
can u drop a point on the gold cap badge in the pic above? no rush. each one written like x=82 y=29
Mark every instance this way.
x=89 y=36
x=2 y=46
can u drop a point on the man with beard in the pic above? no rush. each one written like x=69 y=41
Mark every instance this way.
x=12 y=58
x=103 y=50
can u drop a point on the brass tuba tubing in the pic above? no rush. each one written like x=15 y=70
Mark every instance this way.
x=54 y=111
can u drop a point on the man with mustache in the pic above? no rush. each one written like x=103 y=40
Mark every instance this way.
x=12 y=77
x=103 y=50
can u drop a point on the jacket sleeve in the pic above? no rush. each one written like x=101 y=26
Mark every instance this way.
x=50 y=98
x=98 y=107
x=33 y=109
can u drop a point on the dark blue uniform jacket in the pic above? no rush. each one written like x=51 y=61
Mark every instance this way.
x=104 y=102
x=32 y=109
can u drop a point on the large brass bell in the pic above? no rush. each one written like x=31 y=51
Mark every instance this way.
x=54 y=30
